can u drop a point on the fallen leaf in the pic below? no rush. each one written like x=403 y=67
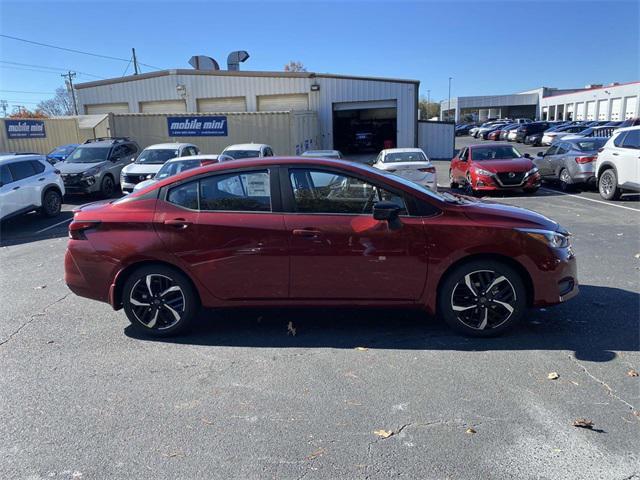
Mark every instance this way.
x=583 y=423
x=632 y=373
x=553 y=376
x=291 y=329
x=383 y=433
x=470 y=431
x=362 y=349
x=206 y=421
x=316 y=454
x=40 y=287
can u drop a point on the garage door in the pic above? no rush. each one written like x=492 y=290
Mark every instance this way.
x=570 y=111
x=631 y=107
x=603 y=112
x=163 y=106
x=222 y=104
x=337 y=107
x=591 y=110
x=616 y=108
x=106 y=108
x=580 y=112
x=284 y=103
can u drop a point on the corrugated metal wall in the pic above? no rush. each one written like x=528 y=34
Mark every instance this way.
x=437 y=139
x=59 y=131
x=304 y=132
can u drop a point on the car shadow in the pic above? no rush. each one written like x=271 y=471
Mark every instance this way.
x=594 y=325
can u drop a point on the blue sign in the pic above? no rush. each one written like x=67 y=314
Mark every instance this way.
x=197 y=126
x=25 y=128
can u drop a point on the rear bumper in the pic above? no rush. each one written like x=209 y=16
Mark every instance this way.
x=81 y=257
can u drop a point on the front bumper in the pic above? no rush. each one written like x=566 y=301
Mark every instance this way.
x=77 y=183
x=556 y=280
x=492 y=183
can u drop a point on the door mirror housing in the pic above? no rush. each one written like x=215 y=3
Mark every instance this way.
x=389 y=212
x=526 y=155
x=541 y=154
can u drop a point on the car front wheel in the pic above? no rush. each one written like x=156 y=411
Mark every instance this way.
x=482 y=298
x=107 y=187
x=608 y=185
x=159 y=301
x=51 y=203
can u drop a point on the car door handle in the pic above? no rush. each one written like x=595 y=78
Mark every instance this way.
x=15 y=188
x=306 y=233
x=179 y=223
x=614 y=153
x=41 y=179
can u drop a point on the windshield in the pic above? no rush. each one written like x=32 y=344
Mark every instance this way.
x=89 y=155
x=404 y=157
x=500 y=152
x=156 y=156
x=592 y=144
x=238 y=154
x=64 y=150
x=173 y=168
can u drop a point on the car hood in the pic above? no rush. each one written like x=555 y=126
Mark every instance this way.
x=66 y=167
x=142 y=168
x=498 y=166
x=144 y=184
x=508 y=215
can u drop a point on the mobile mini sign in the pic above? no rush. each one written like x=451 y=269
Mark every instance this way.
x=25 y=128
x=197 y=126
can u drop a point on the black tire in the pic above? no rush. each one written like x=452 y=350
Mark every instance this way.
x=491 y=311
x=155 y=314
x=608 y=185
x=565 y=180
x=451 y=182
x=107 y=187
x=51 y=203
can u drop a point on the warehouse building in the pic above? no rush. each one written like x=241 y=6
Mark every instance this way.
x=353 y=113
x=594 y=102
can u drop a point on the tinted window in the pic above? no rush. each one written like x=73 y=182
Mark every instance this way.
x=192 y=151
x=268 y=152
x=328 y=192
x=238 y=154
x=173 y=168
x=240 y=192
x=405 y=157
x=551 y=151
x=632 y=140
x=20 y=170
x=619 y=139
x=37 y=166
x=185 y=195
x=130 y=149
x=498 y=152
x=590 y=144
x=156 y=156
x=562 y=149
x=88 y=155
x=5 y=175
x=118 y=152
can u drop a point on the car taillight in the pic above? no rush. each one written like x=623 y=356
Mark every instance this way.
x=428 y=169
x=585 y=159
x=77 y=228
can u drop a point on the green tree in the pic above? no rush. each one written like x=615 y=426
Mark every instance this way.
x=428 y=109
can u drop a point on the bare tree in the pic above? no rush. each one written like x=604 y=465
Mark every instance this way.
x=294 y=66
x=61 y=104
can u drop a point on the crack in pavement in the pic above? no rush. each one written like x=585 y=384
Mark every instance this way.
x=33 y=317
x=610 y=390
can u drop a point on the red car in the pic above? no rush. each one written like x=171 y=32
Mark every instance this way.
x=492 y=167
x=314 y=232
x=495 y=135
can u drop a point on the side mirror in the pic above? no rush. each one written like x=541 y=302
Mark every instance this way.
x=526 y=155
x=541 y=154
x=389 y=212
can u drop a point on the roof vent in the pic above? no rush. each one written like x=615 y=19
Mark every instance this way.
x=202 y=62
x=614 y=84
x=235 y=59
x=593 y=85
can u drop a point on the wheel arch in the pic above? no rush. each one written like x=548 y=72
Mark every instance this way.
x=517 y=266
x=123 y=275
x=606 y=166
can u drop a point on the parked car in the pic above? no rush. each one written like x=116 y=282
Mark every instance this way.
x=150 y=160
x=569 y=162
x=629 y=122
x=248 y=150
x=492 y=167
x=28 y=183
x=323 y=154
x=328 y=233
x=534 y=139
x=474 y=132
x=94 y=167
x=494 y=135
x=464 y=128
x=618 y=164
x=522 y=120
x=60 y=154
x=179 y=165
x=482 y=131
x=528 y=129
x=409 y=163
x=597 y=131
x=554 y=134
x=504 y=131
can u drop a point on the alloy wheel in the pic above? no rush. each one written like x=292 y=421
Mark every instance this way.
x=157 y=301
x=483 y=299
x=52 y=203
x=606 y=184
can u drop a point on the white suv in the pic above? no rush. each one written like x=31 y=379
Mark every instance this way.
x=248 y=150
x=151 y=160
x=618 y=164
x=27 y=183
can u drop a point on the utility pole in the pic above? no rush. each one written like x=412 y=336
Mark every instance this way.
x=449 y=102
x=69 y=76
x=135 y=61
x=4 y=104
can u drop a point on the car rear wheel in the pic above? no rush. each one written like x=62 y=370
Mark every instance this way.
x=482 y=298
x=608 y=185
x=107 y=187
x=51 y=203
x=565 y=180
x=452 y=182
x=159 y=301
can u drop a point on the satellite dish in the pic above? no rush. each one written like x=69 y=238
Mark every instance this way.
x=202 y=62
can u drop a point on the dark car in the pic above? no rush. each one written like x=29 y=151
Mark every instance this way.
x=60 y=154
x=529 y=129
x=464 y=129
x=314 y=232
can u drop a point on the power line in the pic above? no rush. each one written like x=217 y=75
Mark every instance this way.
x=57 y=69
x=24 y=91
x=74 y=51
x=126 y=68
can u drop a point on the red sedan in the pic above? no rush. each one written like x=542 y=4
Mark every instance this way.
x=314 y=232
x=493 y=167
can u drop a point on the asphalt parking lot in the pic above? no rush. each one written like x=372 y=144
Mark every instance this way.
x=241 y=397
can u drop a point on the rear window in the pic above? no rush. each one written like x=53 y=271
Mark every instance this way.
x=404 y=157
x=238 y=154
x=591 y=144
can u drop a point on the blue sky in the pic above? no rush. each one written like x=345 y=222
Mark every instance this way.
x=488 y=47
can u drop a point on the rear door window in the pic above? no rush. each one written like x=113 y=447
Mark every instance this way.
x=5 y=175
x=20 y=170
x=185 y=195
x=632 y=140
x=239 y=192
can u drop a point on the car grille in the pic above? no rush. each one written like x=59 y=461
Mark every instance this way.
x=511 y=178
x=72 y=179
x=135 y=178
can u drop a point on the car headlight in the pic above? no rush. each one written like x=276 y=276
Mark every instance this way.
x=91 y=171
x=533 y=171
x=551 y=238
x=480 y=171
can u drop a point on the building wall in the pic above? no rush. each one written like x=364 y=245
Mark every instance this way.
x=200 y=86
x=58 y=131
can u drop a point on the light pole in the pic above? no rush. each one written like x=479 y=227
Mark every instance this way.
x=449 y=102
x=428 y=102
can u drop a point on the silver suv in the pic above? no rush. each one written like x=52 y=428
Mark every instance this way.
x=95 y=166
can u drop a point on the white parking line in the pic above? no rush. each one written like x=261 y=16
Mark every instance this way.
x=591 y=200
x=55 y=225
